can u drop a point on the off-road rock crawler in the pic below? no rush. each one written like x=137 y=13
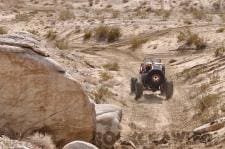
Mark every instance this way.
x=151 y=77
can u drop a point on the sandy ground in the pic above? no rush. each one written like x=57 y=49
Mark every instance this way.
x=149 y=119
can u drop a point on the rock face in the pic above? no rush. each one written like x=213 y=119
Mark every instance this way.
x=108 y=119
x=79 y=145
x=36 y=94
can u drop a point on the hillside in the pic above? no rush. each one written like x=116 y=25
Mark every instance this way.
x=102 y=43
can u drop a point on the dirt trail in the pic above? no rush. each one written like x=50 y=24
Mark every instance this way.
x=152 y=113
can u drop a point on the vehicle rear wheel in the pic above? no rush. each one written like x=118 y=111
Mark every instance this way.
x=132 y=84
x=169 y=89
x=138 y=90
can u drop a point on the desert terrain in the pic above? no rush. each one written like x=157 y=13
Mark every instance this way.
x=101 y=44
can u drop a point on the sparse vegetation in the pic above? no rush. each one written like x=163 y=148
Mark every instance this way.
x=34 y=32
x=190 y=73
x=111 y=66
x=191 y=39
x=105 y=76
x=137 y=42
x=51 y=35
x=141 y=13
x=172 y=61
x=101 y=33
x=42 y=140
x=165 y=14
x=204 y=88
x=62 y=44
x=207 y=101
x=90 y=3
x=109 y=34
x=3 y=30
x=219 y=51
x=22 y=17
x=198 y=13
x=66 y=15
x=208 y=117
x=87 y=35
x=214 y=79
x=115 y=14
x=101 y=94
x=109 y=6
x=189 y=22
x=114 y=34
x=220 y=30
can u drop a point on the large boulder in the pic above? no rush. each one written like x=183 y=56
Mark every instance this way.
x=108 y=118
x=79 y=145
x=36 y=94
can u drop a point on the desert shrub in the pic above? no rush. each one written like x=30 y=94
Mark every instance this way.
x=22 y=17
x=101 y=94
x=172 y=61
x=66 y=15
x=207 y=117
x=181 y=37
x=113 y=34
x=141 y=13
x=194 y=39
x=51 y=35
x=42 y=140
x=186 y=21
x=207 y=101
x=115 y=14
x=198 y=13
x=111 y=66
x=105 y=33
x=191 y=39
x=34 y=32
x=220 y=30
x=165 y=14
x=101 y=33
x=204 y=88
x=219 y=51
x=190 y=73
x=109 y=6
x=216 y=6
x=87 y=34
x=137 y=42
x=214 y=79
x=62 y=44
x=3 y=30
x=90 y=3
x=105 y=76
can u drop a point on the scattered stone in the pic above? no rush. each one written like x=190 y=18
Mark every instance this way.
x=108 y=125
x=79 y=145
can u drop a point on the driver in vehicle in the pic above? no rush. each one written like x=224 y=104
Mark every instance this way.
x=145 y=68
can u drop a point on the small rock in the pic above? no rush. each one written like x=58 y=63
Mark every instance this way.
x=79 y=145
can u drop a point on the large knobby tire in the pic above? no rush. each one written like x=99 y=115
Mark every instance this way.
x=155 y=78
x=132 y=84
x=168 y=89
x=138 y=89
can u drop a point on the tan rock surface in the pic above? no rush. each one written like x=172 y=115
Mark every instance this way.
x=37 y=95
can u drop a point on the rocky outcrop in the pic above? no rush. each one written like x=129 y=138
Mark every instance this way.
x=211 y=133
x=79 y=145
x=108 y=119
x=36 y=94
